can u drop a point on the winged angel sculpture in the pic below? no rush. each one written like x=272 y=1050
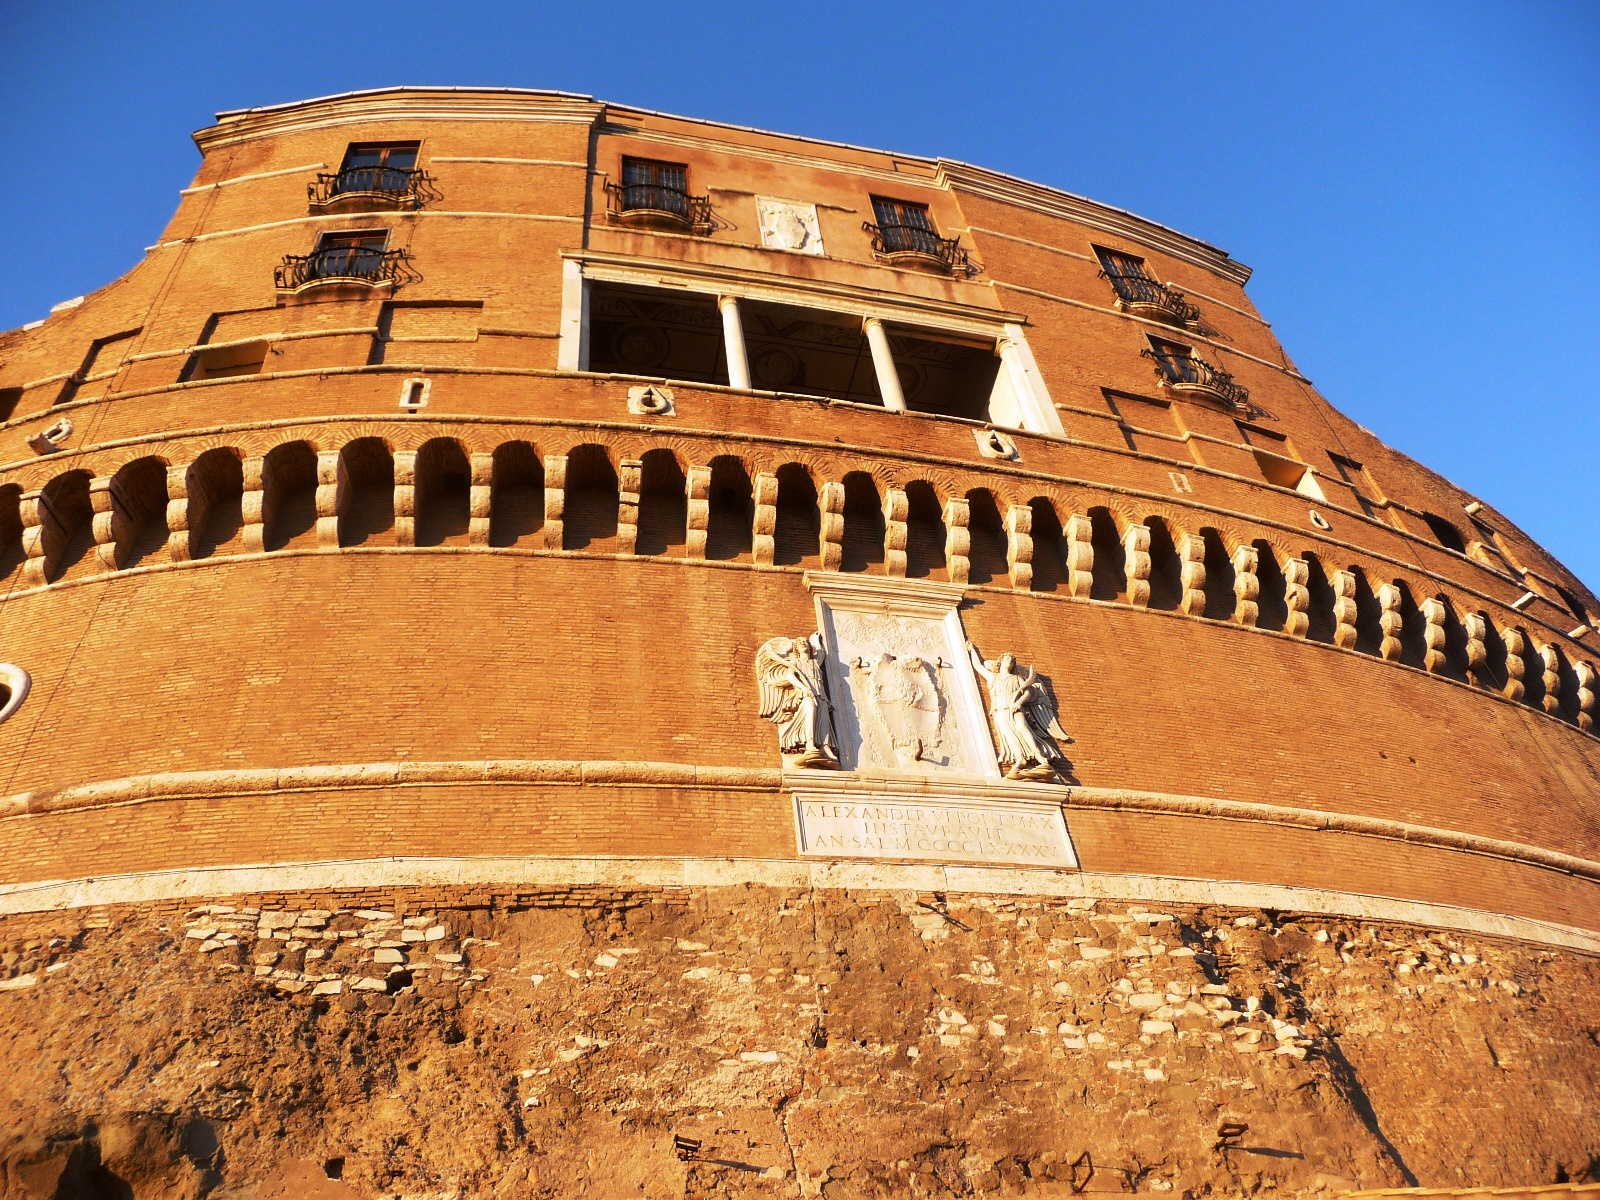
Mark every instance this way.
x=1025 y=724
x=794 y=697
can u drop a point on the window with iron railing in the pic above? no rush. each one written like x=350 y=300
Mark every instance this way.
x=905 y=232
x=352 y=257
x=657 y=192
x=1141 y=293
x=383 y=171
x=1178 y=368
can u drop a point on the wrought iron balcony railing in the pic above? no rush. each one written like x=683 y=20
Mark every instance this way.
x=911 y=243
x=654 y=203
x=1188 y=375
x=393 y=187
x=1144 y=297
x=345 y=264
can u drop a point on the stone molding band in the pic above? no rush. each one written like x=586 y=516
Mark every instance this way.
x=513 y=874
x=183 y=785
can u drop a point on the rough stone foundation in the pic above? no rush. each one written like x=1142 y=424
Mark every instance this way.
x=816 y=1043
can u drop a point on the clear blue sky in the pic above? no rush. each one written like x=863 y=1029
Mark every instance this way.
x=1416 y=185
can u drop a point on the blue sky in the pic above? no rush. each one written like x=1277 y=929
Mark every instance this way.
x=1416 y=185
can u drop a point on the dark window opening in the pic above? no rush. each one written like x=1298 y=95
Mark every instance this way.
x=1221 y=599
x=9 y=399
x=925 y=533
x=1166 y=569
x=516 y=497
x=798 y=534
x=223 y=362
x=657 y=333
x=1271 y=603
x=808 y=352
x=591 y=501
x=663 y=505
x=945 y=376
x=376 y=167
x=1049 y=548
x=1110 y=578
x=1447 y=533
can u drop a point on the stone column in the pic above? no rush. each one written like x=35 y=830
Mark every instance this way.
x=108 y=521
x=1246 y=585
x=895 y=509
x=957 y=539
x=405 y=497
x=699 y=488
x=1477 y=627
x=41 y=539
x=1192 y=573
x=252 y=506
x=1434 y=613
x=332 y=484
x=1297 y=596
x=1344 y=609
x=1516 y=665
x=555 y=498
x=733 y=342
x=830 y=502
x=883 y=364
x=1551 y=658
x=763 y=546
x=1391 y=623
x=629 y=472
x=1080 y=556
x=1019 y=545
x=180 y=507
x=480 y=499
x=1136 y=552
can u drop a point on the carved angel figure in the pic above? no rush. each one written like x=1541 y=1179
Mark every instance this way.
x=794 y=697
x=1025 y=724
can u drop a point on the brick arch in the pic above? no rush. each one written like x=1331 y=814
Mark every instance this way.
x=213 y=504
x=590 y=494
x=797 y=527
x=365 y=493
x=63 y=539
x=516 y=494
x=442 y=496
x=289 y=495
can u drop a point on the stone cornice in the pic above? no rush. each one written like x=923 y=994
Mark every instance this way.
x=397 y=104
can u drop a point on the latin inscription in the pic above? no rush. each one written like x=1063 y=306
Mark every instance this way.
x=964 y=833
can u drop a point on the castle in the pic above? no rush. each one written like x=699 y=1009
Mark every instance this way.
x=557 y=649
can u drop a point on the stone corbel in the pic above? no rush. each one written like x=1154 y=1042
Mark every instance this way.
x=1297 y=597
x=110 y=521
x=1136 y=551
x=830 y=502
x=1434 y=613
x=1477 y=627
x=1516 y=663
x=1019 y=545
x=252 y=506
x=1192 y=572
x=1344 y=609
x=629 y=472
x=958 y=539
x=42 y=539
x=764 y=547
x=1246 y=585
x=1080 y=556
x=1586 y=695
x=480 y=499
x=405 y=497
x=1390 y=622
x=1550 y=657
x=698 y=485
x=555 y=499
x=332 y=486
x=186 y=512
x=895 y=510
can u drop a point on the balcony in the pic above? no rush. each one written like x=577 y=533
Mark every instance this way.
x=368 y=266
x=1144 y=297
x=1190 y=376
x=658 y=205
x=370 y=189
x=901 y=245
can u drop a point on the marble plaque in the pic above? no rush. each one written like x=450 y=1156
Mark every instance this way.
x=1013 y=833
x=789 y=225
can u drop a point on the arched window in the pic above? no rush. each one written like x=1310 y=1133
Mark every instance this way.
x=1166 y=571
x=289 y=497
x=516 y=496
x=1110 y=559
x=988 y=533
x=1221 y=600
x=1322 y=621
x=732 y=510
x=366 y=506
x=68 y=533
x=139 y=510
x=862 y=546
x=1369 y=614
x=1049 y=547
x=798 y=536
x=925 y=533
x=215 y=483
x=1274 y=609
x=443 y=493
x=663 y=505
x=591 y=501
